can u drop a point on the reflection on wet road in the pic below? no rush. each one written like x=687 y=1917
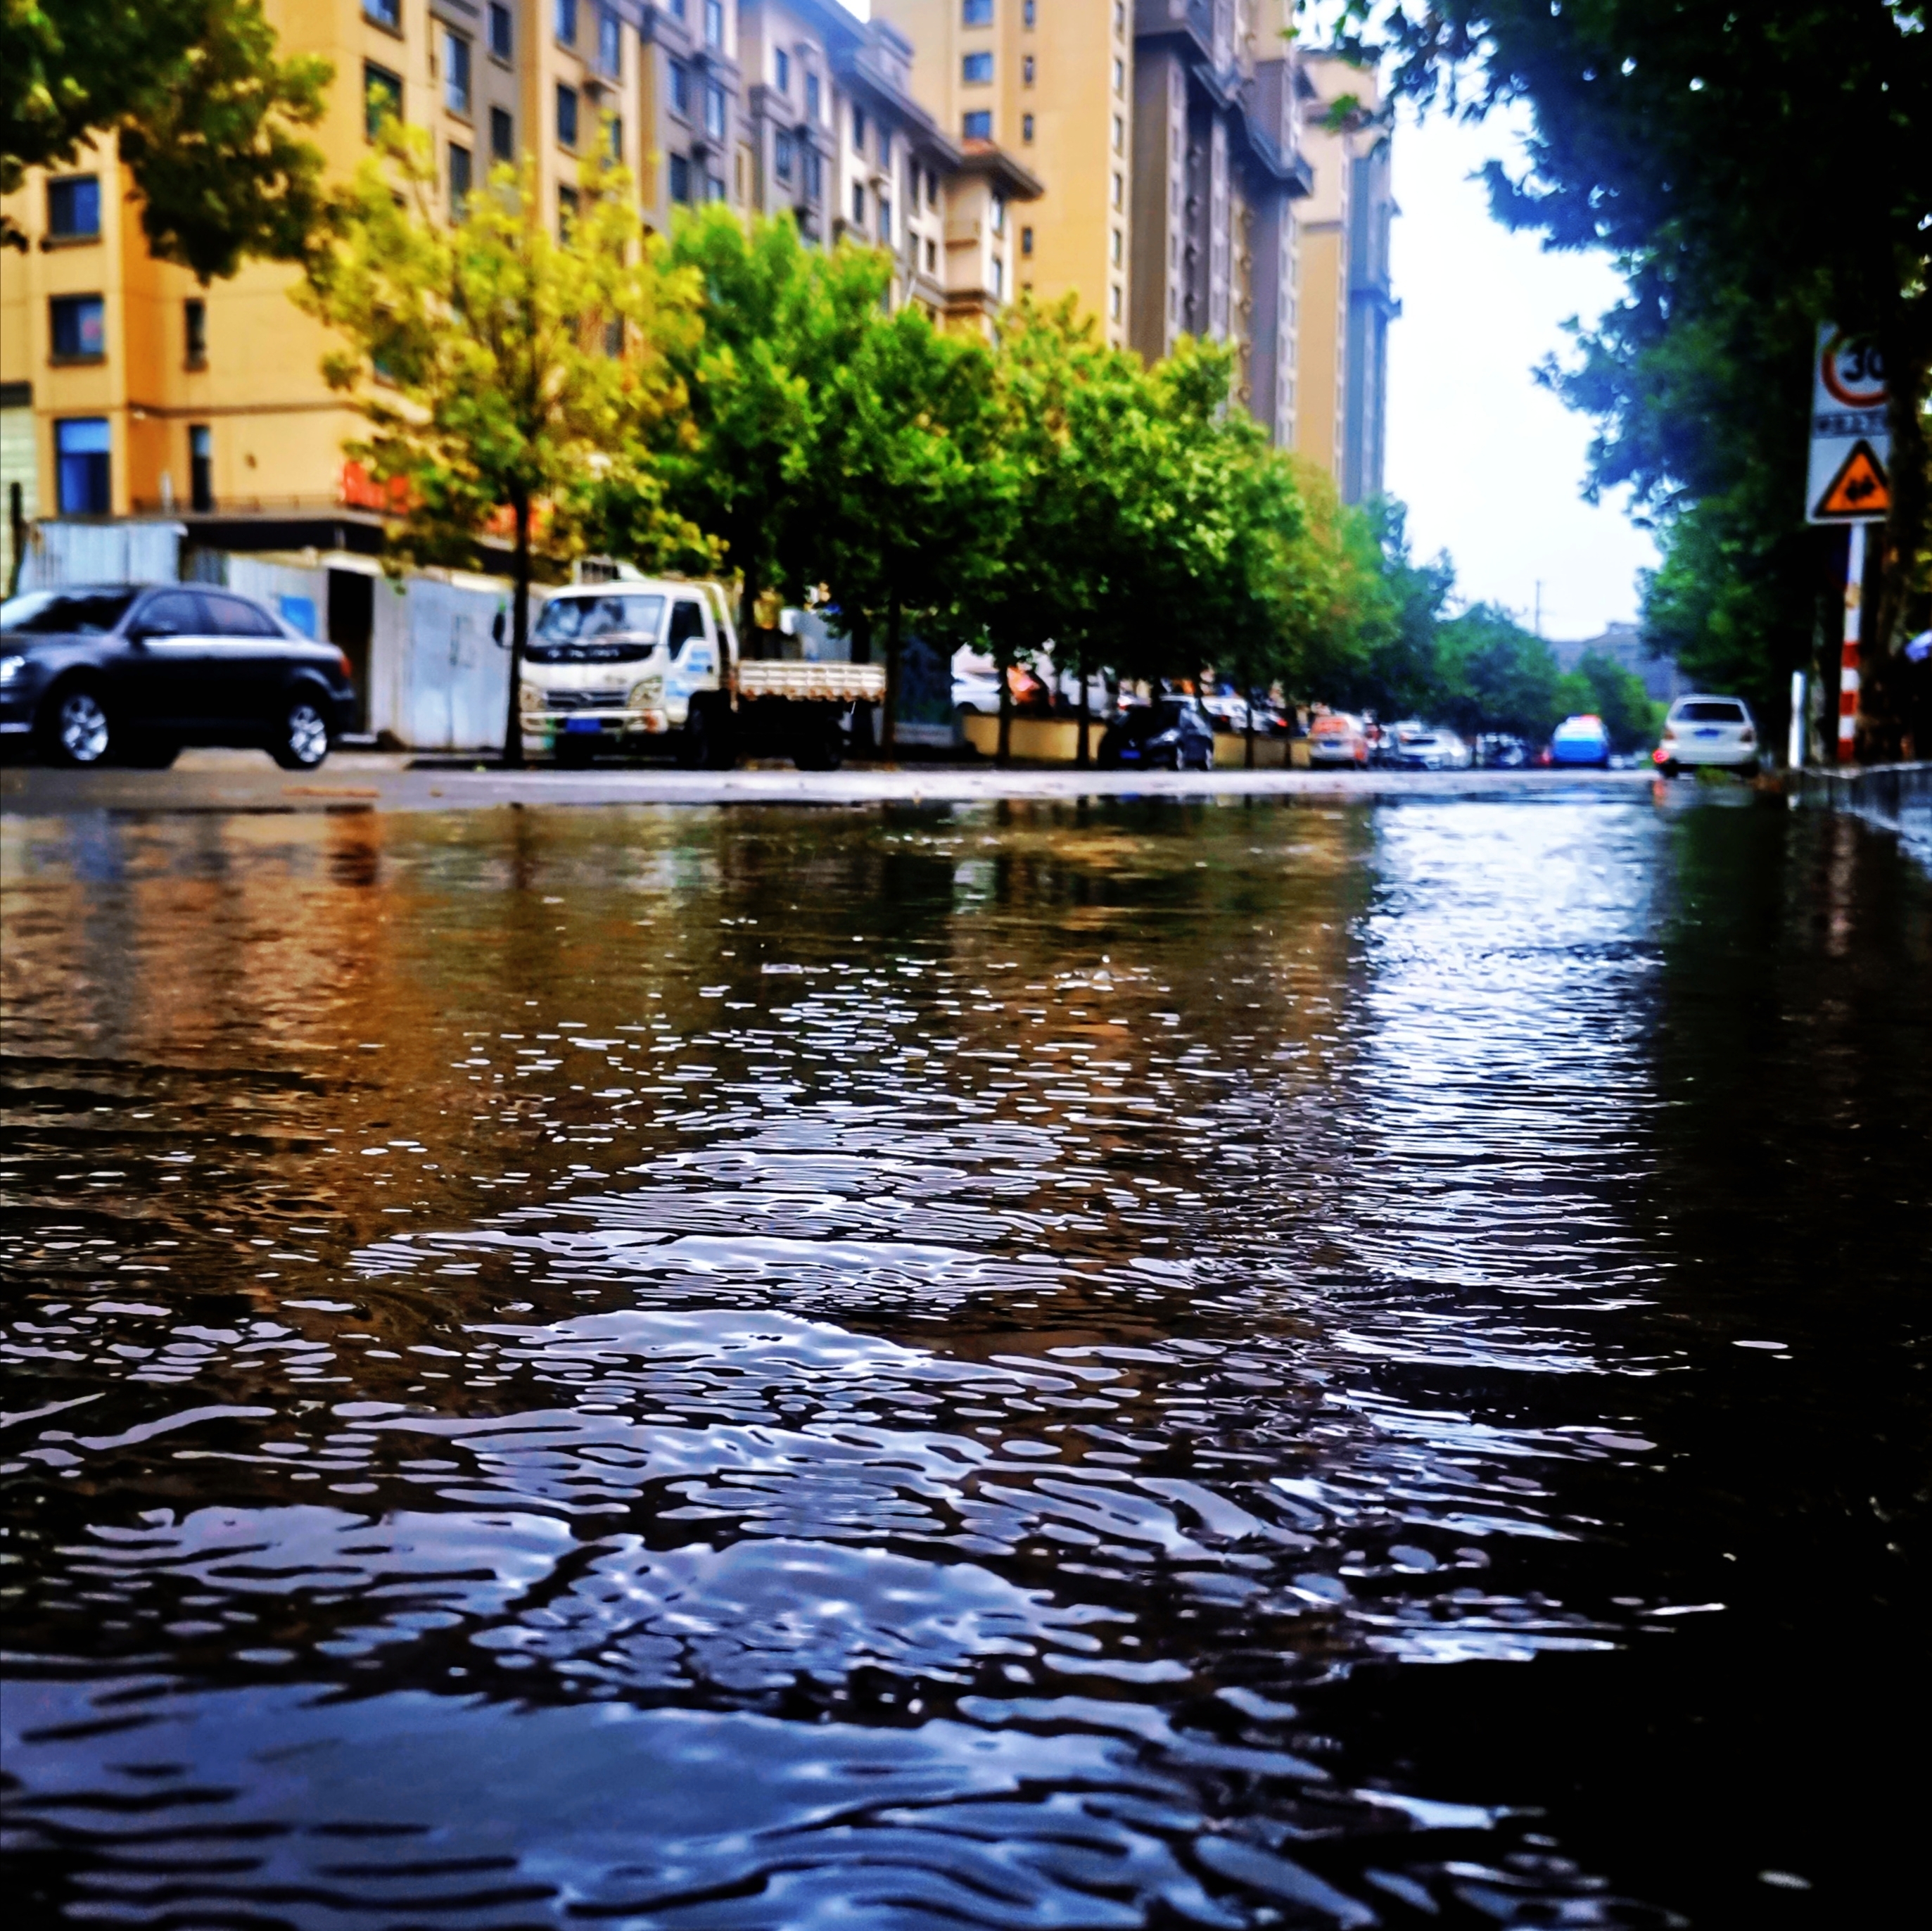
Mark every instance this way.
x=1022 y=1365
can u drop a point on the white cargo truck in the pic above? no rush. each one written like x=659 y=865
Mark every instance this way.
x=648 y=663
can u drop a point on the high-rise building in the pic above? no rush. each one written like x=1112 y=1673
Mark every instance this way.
x=1347 y=301
x=1217 y=172
x=1050 y=82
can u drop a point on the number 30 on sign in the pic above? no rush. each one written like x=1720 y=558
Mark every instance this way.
x=1851 y=445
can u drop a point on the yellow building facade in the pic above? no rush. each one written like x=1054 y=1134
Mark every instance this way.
x=1049 y=81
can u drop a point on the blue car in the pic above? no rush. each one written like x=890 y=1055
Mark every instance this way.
x=1581 y=740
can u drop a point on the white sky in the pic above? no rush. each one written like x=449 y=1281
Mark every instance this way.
x=1490 y=465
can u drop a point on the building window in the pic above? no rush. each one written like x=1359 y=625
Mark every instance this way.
x=201 y=469
x=80 y=465
x=79 y=327
x=1026 y=127
x=781 y=71
x=1120 y=77
x=1120 y=16
x=680 y=178
x=858 y=204
x=885 y=219
x=976 y=69
x=714 y=110
x=714 y=28
x=502 y=32
x=680 y=89
x=455 y=73
x=714 y=187
x=815 y=176
x=976 y=13
x=73 y=208
x=1026 y=71
x=811 y=99
x=1114 y=246
x=459 y=181
x=999 y=214
x=858 y=130
x=194 y=332
x=1027 y=13
x=1026 y=240
x=385 y=13
x=566 y=115
x=931 y=187
x=1120 y=135
x=885 y=147
x=566 y=22
x=615 y=137
x=1117 y=190
x=502 y=135
x=1113 y=302
x=783 y=150
x=566 y=212
x=978 y=125
x=999 y=278
x=381 y=97
x=609 y=43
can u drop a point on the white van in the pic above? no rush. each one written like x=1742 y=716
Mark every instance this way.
x=652 y=662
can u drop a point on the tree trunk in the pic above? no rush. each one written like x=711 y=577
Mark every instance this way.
x=519 y=633
x=859 y=628
x=1248 y=698
x=1004 y=756
x=888 y=729
x=1080 y=756
x=1906 y=531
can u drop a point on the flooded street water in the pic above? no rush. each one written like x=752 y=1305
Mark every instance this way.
x=1015 y=1365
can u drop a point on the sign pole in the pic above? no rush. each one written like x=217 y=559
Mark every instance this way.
x=1794 y=742
x=1848 y=672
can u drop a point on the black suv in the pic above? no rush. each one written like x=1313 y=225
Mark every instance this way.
x=101 y=673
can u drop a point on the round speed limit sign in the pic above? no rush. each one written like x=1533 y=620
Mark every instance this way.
x=1853 y=372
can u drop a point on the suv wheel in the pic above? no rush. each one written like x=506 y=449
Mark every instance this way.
x=301 y=738
x=75 y=728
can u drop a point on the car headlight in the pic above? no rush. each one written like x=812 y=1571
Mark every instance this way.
x=528 y=698
x=11 y=668
x=646 y=693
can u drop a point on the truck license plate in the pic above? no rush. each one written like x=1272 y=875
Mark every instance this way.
x=582 y=724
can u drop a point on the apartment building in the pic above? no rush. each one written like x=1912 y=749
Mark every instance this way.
x=1347 y=298
x=1050 y=85
x=127 y=390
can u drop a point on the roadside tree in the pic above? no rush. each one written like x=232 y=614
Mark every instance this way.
x=506 y=373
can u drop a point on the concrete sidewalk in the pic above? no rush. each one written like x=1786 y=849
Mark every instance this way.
x=248 y=781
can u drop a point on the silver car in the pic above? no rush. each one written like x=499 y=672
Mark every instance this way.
x=1703 y=729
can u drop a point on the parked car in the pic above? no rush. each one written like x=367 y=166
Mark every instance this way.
x=1170 y=734
x=1581 y=739
x=1421 y=747
x=1705 y=730
x=1335 y=737
x=116 y=673
x=1499 y=751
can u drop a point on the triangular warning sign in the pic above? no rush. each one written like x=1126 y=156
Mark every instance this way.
x=1859 y=490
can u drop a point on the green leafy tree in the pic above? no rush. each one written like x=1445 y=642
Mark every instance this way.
x=506 y=373
x=205 y=116
x=911 y=512
x=765 y=379
x=1494 y=675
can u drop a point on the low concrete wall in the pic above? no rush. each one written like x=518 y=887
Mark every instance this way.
x=1886 y=794
x=1231 y=752
x=1039 y=740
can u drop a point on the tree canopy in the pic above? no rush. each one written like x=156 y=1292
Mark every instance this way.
x=204 y=114
x=504 y=370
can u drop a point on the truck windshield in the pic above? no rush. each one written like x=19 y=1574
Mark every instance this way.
x=614 y=628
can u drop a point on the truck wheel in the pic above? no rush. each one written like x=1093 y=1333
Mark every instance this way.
x=821 y=746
